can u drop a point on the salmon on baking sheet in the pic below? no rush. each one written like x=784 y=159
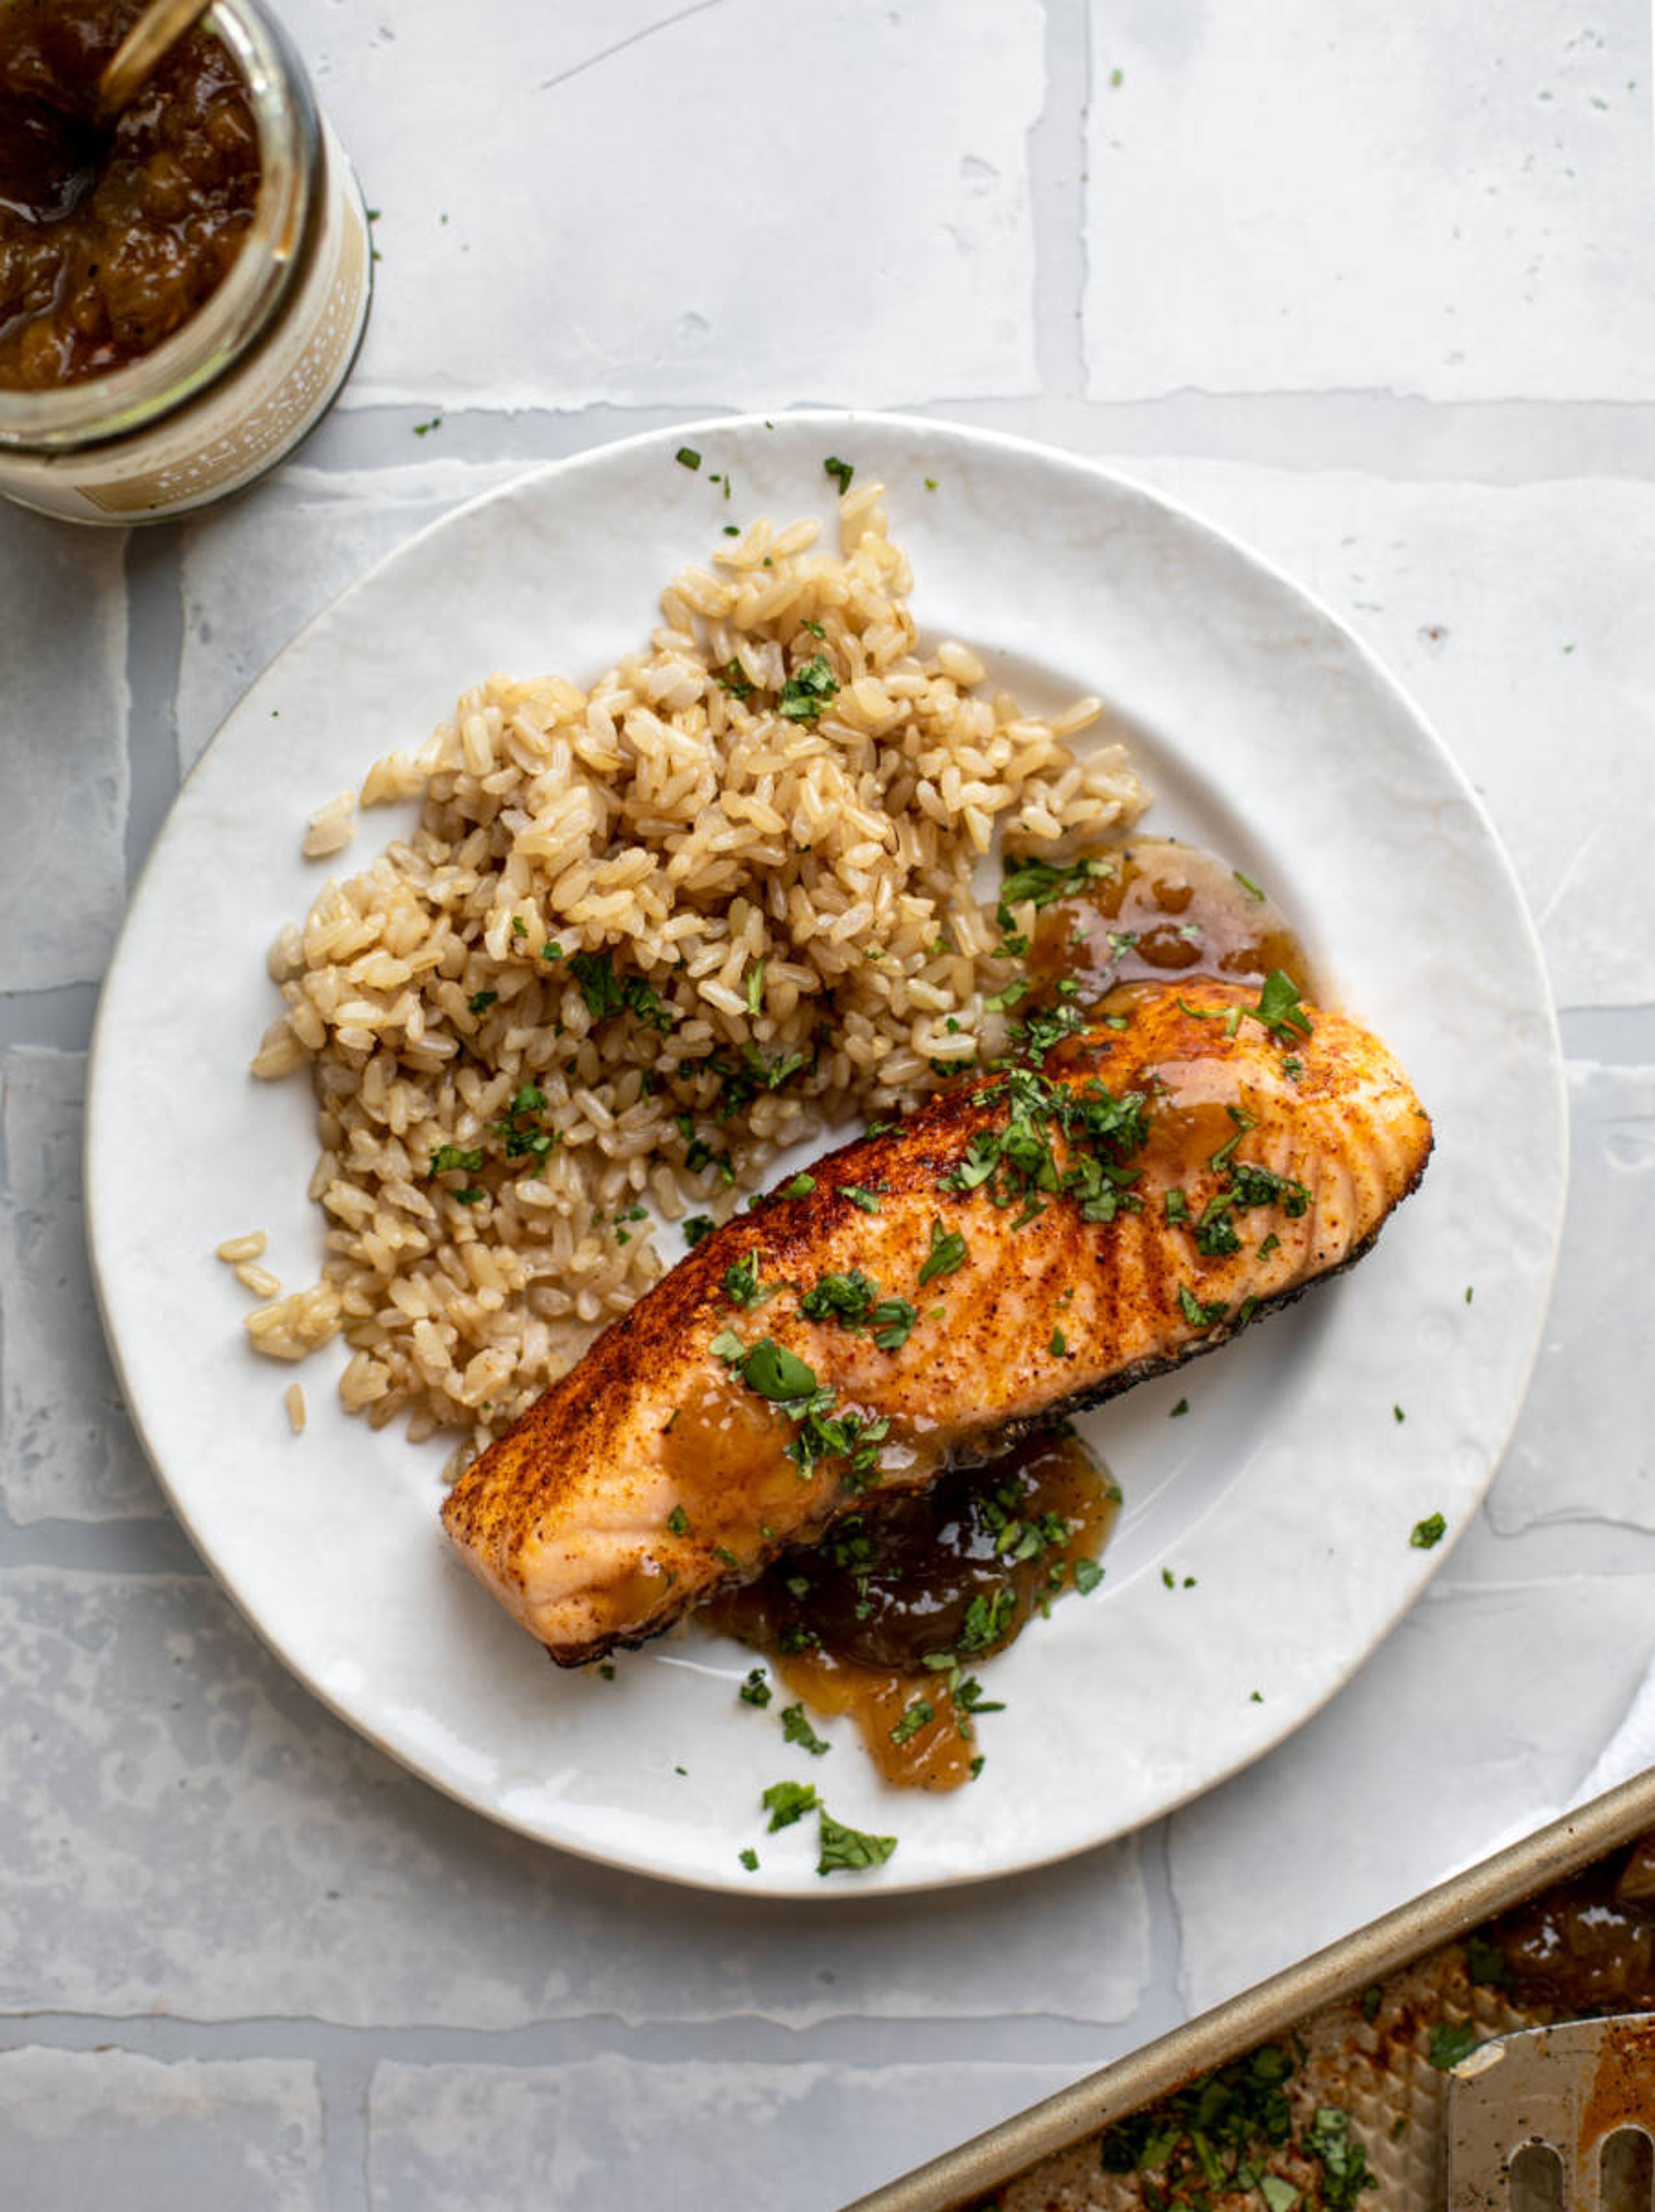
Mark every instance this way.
x=1028 y=1241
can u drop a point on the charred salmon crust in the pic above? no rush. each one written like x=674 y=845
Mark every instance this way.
x=1029 y=1242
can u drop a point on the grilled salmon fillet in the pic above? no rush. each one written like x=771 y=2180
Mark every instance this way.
x=1027 y=1243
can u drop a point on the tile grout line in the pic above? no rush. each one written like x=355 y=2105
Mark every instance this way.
x=154 y=594
x=346 y=2054
x=1398 y=437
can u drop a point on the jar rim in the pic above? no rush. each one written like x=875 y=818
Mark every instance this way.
x=126 y=399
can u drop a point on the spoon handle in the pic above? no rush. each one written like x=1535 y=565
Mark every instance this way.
x=159 y=27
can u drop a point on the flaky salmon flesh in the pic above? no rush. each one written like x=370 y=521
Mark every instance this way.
x=1026 y=1244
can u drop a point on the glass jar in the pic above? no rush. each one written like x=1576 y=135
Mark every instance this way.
x=237 y=387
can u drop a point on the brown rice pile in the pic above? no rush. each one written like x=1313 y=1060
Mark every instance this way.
x=644 y=936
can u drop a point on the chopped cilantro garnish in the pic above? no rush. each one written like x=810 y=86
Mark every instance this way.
x=678 y=1522
x=1247 y=884
x=841 y=473
x=519 y=928
x=447 y=1158
x=741 y=1286
x=1271 y=1244
x=1182 y=1406
x=867 y=1199
x=1177 y=1206
x=1045 y=881
x=551 y=950
x=1279 y=1009
x=1014 y=1159
x=1243 y=1121
x=774 y=1372
x=1197 y=1314
x=1251 y=1186
x=731 y=679
x=893 y=1321
x=787 y=1801
x=843 y=1297
x=1088 y=1575
x=1215 y=1233
x=845 y=1851
x=798 y=1729
x=698 y=1227
x=755 y=988
x=800 y=1187
x=1345 y=2172
x=687 y=457
x=480 y=1001
x=698 y=1154
x=1452 y=2041
x=988 y=1617
x=1428 y=1533
x=807 y=691
x=750 y=1859
x=728 y=1346
x=1211 y=2138
x=755 y=1690
x=469 y=1197
x=1486 y=1963
x=606 y=994
x=1057 y=1347
x=1398 y=1413
x=947 y=1254
x=918 y=1715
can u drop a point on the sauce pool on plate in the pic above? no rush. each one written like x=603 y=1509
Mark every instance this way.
x=885 y=1619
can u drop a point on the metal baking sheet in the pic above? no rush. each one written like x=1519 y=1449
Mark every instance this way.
x=963 y=2179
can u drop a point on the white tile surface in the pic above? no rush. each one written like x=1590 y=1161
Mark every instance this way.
x=194 y=1834
x=1295 y=198
x=1514 y=614
x=63 y=749
x=734 y=203
x=1479 y=1717
x=1584 y=1449
x=67 y=1450
x=245 y=594
x=678 y=2137
x=112 y=2128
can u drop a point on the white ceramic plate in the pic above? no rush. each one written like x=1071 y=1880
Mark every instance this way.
x=1281 y=1505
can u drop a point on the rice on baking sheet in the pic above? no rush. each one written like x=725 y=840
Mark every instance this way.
x=643 y=936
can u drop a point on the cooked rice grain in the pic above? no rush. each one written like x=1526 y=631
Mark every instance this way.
x=642 y=937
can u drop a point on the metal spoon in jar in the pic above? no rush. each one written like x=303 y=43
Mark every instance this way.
x=50 y=154
x=155 y=34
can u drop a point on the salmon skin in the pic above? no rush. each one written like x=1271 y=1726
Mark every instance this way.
x=1026 y=1244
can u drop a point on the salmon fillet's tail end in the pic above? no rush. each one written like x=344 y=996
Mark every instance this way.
x=711 y=1427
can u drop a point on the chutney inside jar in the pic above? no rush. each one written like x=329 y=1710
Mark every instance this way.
x=112 y=237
